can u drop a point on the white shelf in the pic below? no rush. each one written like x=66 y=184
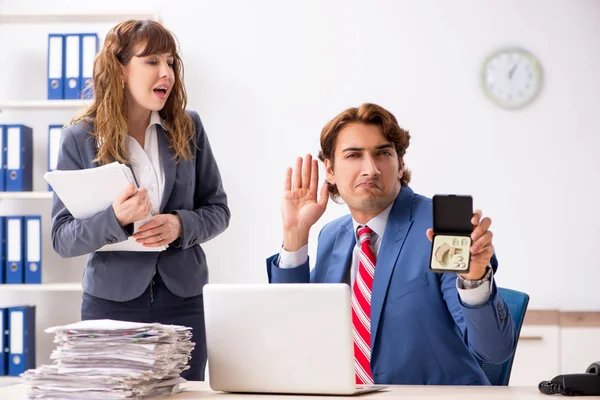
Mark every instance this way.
x=76 y=18
x=25 y=195
x=43 y=104
x=44 y=287
x=10 y=380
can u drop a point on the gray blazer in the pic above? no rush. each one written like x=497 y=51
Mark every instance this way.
x=193 y=189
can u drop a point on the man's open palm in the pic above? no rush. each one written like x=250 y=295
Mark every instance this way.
x=300 y=209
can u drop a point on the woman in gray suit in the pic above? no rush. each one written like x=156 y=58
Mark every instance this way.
x=138 y=117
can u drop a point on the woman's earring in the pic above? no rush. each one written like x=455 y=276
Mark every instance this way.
x=123 y=85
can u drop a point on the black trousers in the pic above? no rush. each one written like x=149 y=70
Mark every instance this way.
x=157 y=304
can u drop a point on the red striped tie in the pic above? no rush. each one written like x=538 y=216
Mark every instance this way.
x=361 y=308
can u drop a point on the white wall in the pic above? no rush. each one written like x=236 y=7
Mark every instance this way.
x=266 y=75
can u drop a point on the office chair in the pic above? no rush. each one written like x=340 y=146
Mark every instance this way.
x=499 y=374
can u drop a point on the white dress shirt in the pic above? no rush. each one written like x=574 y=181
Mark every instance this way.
x=473 y=297
x=146 y=164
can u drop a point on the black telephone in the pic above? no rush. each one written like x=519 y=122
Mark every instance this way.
x=587 y=384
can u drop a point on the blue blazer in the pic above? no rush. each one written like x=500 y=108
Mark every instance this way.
x=421 y=332
x=193 y=189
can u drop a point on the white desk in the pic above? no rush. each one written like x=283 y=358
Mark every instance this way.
x=197 y=390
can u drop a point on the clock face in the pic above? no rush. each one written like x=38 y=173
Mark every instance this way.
x=511 y=78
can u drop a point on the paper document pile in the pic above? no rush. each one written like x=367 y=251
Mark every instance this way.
x=107 y=359
x=86 y=192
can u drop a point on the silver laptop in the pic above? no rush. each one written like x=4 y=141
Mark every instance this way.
x=280 y=338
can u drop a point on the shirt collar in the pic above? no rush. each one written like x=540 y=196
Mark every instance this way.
x=377 y=223
x=155 y=119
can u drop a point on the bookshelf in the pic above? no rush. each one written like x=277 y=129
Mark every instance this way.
x=74 y=18
x=42 y=105
x=59 y=302
x=43 y=287
x=10 y=380
x=25 y=195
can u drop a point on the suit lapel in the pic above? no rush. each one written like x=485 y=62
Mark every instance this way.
x=398 y=225
x=340 y=256
x=132 y=173
x=167 y=158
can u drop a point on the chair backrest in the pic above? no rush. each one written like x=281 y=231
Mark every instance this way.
x=499 y=374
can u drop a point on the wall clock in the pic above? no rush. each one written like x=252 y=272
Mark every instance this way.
x=511 y=77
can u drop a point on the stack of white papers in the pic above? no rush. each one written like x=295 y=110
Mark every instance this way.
x=107 y=359
x=86 y=192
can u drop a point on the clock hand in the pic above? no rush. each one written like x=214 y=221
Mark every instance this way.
x=512 y=71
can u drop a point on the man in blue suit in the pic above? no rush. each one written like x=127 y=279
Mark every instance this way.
x=422 y=327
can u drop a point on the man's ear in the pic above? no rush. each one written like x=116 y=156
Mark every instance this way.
x=329 y=175
x=401 y=169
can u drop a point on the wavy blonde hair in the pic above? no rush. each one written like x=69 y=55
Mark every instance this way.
x=106 y=117
x=367 y=114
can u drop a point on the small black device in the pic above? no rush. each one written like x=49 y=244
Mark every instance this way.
x=587 y=384
x=452 y=228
